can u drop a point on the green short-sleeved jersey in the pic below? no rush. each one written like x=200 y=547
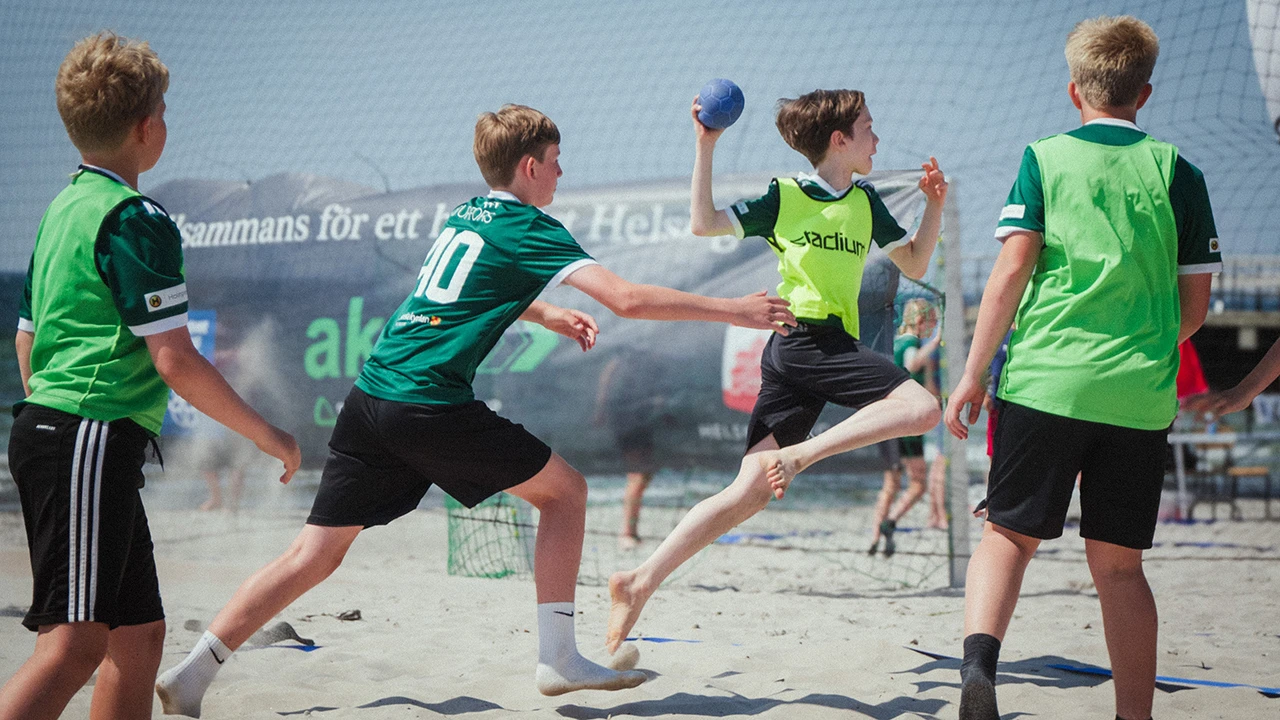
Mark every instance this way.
x=106 y=272
x=822 y=238
x=1121 y=215
x=493 y=258
x=905 y=347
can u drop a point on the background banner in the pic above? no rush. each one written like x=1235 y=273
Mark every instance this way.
x=302 y=272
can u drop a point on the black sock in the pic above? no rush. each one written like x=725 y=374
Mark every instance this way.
x=981 y=651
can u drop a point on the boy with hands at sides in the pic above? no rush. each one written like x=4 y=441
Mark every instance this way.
x=821 y=227
x=412 y=419
x=1113 y=232
x=102 y=337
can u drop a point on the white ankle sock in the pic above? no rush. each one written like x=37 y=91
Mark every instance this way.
x=561 y=668
x=182 y=687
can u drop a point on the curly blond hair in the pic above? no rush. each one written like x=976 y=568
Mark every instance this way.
x=105 y=86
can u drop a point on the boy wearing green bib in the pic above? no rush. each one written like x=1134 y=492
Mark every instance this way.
x=821 y=227
x=1108 y=250
x=102 y=337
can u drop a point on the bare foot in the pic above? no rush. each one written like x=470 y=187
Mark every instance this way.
x=211 y=504
x=781 y=467
x=628 y=600
x=628 y=542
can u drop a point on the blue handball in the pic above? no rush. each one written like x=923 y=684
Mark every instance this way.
x=721 y=102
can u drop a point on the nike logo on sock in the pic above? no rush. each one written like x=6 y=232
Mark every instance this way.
x=561 y=612
x=215 y=656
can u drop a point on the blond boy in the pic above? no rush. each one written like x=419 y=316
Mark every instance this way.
x=412 y=419
x=821 y=226
x=1113 y=232
x=102 y=337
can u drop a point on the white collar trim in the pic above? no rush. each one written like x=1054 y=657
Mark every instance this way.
x=1115 y=122
x=818 y=180
x=104 y=171
x=503 y=195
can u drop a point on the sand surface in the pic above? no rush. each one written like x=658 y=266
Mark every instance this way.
x=791 y=620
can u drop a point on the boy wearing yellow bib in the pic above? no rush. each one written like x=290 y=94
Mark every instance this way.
x=822 y=227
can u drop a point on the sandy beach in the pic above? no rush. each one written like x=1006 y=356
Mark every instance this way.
x=774 y=623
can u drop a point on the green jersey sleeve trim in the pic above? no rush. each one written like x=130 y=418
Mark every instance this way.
x=1024 y=208
x=159 y=326
x=757 y=218
x=139 y=256
x=24 y=306
x=1198 y=247
x=568 y=270
x=885 y=230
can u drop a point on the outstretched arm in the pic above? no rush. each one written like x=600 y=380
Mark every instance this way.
x=194 y=378
x=1000 y=298
x=1240 y=396
x=573 y=324
x=652 y=302
x=913 y=258
x=704 y=219
x=22 y=344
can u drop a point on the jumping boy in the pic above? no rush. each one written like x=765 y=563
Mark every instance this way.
x=412 y=419
x=821 y=226
x=102 y=337
x=1113 y=231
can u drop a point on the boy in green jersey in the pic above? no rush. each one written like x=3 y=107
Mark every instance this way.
x=102 y=337
x=412 y=419
x=821 y=226
x=1108 y=250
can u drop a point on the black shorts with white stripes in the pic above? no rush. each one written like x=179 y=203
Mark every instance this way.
x=91 y=552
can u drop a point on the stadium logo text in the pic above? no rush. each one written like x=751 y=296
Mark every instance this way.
x=834 y=241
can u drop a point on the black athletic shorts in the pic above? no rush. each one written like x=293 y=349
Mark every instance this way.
x=1034 y=465
x=91 y=553
x=911 y=446
x=385 y=455
x=814 y=365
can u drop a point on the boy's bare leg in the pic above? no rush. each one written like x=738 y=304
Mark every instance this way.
x=215 y=490
x=64 y=659
x=312 y=557
x=560 y=494
x=127 y=675
x=915 y=468
x=994 y=579
x=991 y=589
x=908 y=410
x=745 y=496
x=1130 y=623
x=888 y=493
x=938 y=493
x=632 y=499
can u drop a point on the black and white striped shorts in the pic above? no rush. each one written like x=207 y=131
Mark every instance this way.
x=91 y=552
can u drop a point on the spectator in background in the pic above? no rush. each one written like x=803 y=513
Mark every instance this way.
x=919 y=320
